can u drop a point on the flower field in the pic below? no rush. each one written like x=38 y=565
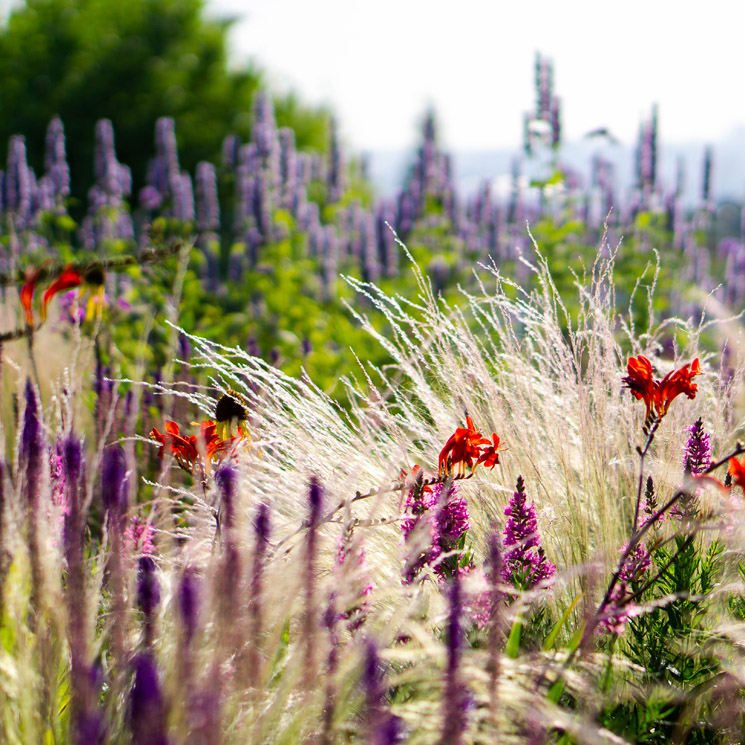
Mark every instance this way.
x=512 y=513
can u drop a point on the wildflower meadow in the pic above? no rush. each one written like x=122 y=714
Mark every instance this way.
x=286 y=463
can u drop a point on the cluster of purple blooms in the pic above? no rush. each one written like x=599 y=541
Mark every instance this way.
x=524 y=563
x=434 y=531
x=697 y=457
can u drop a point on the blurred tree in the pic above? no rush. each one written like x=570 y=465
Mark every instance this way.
x=129 y=62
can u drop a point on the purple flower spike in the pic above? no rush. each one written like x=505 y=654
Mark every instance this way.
x=263 y=525
x=148 y=589
x=452 y=518
x=146 y=714
x=696 y=459
x=113 y=481
x=188 y=602
x=90 y=729
x=73 y=459
x=383 y=728
x=32 y=441
x=636 y=564
x=226 y=479
x=315 y=499
x=525 y=564
x=455 y=701
x=697 y=452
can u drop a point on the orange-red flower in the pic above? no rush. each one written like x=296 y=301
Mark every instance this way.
x=188 y=449
x=69 y=279
x=172 y=441
x=27 y=291
x=490 y=455
x=210 y=444
x=416 y=478
x=462 y=448
x=737 y=471
x=659 y=394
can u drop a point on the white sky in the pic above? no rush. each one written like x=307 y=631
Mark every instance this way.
x=379 y=63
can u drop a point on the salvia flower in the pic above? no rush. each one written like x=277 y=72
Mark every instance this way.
x=139 y=537
x=697 y=456
x=524 y=563
x=32 y=441
x=451 y=526
x=456 y=695
x=146 y=709
x=619 y=610
x=419 y=528
x=659 y=394
x=226 y=479
x=636 y=563
x=382 y=727
x=148 y=589
x=649 y=505
x=113 y=481
x=188 y=602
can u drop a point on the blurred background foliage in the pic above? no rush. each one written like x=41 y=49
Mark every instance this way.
x=158 y=141
x=84 y=60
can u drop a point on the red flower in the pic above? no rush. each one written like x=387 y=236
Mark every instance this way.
x=184 y=449
x=462 y=448
x=659 y=394
x=490 y=455
x=210 y=444
x=676 y=383
x=737 y=471
x=416 y=478
x=187 y=450
x=69 y=279
x=27 y=294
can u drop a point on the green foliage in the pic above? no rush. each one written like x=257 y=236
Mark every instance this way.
x=129 y=62
x=672 y=643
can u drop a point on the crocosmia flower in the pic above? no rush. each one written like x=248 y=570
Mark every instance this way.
x=463 y=449
x=737 y=471
x=659 y=394
x=490 y=455
x=27 y=293
x=69 y=279
x=173 y=442
x=188 y=449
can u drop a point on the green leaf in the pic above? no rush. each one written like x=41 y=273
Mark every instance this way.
x=513 y=641
x=548 y=644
